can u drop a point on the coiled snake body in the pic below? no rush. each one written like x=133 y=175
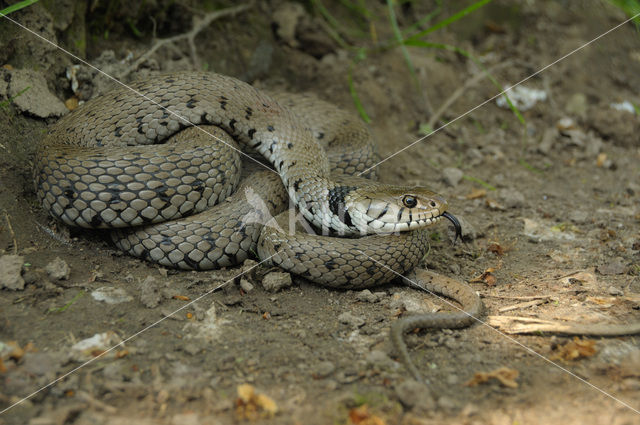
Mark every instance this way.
x=122 y=162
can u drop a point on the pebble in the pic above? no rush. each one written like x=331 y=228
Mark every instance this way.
x=469 y=231
x=613 y=267
x=452 y=176
x=349 y=319
x=577 y=105
x=246 y=285
x=578 y=216
x=111 y=295
x=447 y=403
x=548 y=140
x=150 y=295
x=275 y=281
x=378 y=358
x=11 y=272
x=324 y=369
x=58 y=269
x=511 y=198
x=414 y=394
x=615 y=291
x=368 y=296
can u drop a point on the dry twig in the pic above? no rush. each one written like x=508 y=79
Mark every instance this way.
x=198 y=26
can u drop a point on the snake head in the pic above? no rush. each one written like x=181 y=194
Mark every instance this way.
x=388 y=209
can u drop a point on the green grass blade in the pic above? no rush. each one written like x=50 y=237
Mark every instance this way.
x=17 y=6
x=356 y=98
x=398 y=34
x=450 y=19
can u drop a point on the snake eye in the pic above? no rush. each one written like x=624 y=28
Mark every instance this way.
x=409 y=201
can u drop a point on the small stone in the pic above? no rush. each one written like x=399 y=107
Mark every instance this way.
x=275 y=281
x=245 y=285
x=469 y=231
x=378 y=358
x=191 y=348
x=511 y=198
x=613 y=267
x=452 y=379
x=111 y=295
x=452 y=176
x=324 y=369
x=414 y=394
x=447 y=403
x=578 y=216
x=11 y=272
x=615 y=291
x=577 y=105
x=150 y=295
x=58 y=269
x=349 y=319
x=367 y=296
x=548 y=140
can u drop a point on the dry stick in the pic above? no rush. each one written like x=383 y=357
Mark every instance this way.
x=198 y=25
x=13 y=235
x=462 y=90
x=529 y=325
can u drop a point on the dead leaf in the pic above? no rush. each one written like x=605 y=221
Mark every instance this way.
x=486 y=277
x=181 y=297
x=361 y=416
x=602 y=157
x=496 y=248
x=477 y=193
x=71 y=103
x=506 y=376
x=495 y=205
x=576 y=349
x=252 y=406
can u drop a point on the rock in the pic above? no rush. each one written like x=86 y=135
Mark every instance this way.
x=111 y=295
x=11 y=272
x=150 y=294
x=29 y=92
x=447 y=403
x=548 y=140
x=578 y=216
x=469 y=231
x=452 y=176
x=246 y=285
x=379 y=358
x=58 y=269
x=577 y=105
x=613 y=267
x=511 y=198
x=413 y=394
x=323 y=369
x=275 y=281
x=349 y=319
x=615 y=291
x=367 y=296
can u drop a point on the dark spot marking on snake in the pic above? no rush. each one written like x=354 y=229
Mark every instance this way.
x=347 y=219
x=99 y=141
x=320 y=135
x=191 y=104
x=223 y=105
x=270 y=128
x=232 y=124
x=410 y=216
x=400 y=212
x=166 y=240
x=280 y=165
x=371 y=269
x=70 y=193
x=276 y=246
x=273 y=144
x=251 y=133
x=116 y=132
x=384 y=211
x=169 y=80
x=248 y=112
x=330 y=264
x=298 y=255
x=165 y=114
x=96 y=220
x=290 y=145
x=189 y=262
x=336 y=199
x=296 y=184
x=257 y=144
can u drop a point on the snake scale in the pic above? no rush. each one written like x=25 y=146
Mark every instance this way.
x=151 y=160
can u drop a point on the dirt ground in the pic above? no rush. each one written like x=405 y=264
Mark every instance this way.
x=550 y=206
